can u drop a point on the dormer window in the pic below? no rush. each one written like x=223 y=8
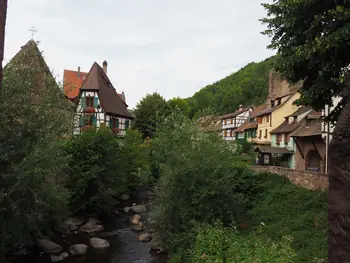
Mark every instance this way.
x=279 y=101
x=295 y=119
x=308 y=122
x=89 y=101
x=272 y=103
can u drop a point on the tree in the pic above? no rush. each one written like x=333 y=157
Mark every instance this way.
x=181 y=105
x=312 y=41
x=3 y=11
x=148 y=112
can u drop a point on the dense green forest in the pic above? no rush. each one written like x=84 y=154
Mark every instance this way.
x=247 y=86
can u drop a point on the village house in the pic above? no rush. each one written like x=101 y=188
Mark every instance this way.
x=310 y=146
x=210 y=123
x=280 y=137
x=247 y=130
x=98 y=104
x=73 y=81
x=271 y=118
x=230 y=122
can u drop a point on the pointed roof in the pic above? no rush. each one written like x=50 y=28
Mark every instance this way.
x=98 y=81
x=72 y=81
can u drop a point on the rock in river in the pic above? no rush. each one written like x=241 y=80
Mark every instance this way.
x=48 y=246
x=92 y=226
x=135 y=220
x=138 y=209
x=56 y=258
x=138 y=228
x=78 y=249
x=156 y=245
x=99 y=243
x=145 y=237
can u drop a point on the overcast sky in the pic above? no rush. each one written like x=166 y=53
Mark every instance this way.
x=172 y=47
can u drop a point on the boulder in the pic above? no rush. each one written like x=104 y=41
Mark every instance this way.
x=92 y=225
x=145 y=237
x=75 y=221
x=127 y=209
x=156 y=245
x=99 y=243
x=64 y=255
x=94 y=221
x=135 y=220
x=125 y=197
x=48 y=246
x=78 y=249
x=138 y=209
x=138 y=228
x=56 y=258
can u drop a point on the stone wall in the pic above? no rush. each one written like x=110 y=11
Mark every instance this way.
x=305 y=179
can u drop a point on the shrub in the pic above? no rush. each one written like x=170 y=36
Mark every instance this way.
x=214 y=243
x=290 y=210
x=135 y=158
x=198 y=177
x=96 y=170
x=33 y=115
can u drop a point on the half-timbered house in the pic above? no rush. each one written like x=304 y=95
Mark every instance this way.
x=99 y=104
x=230 y=122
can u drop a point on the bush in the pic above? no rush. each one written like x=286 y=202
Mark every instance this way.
x=33 y=115
x=96 y=170
x=135 y=156
x=214 y=243
x=290 y=210
x=198 y=178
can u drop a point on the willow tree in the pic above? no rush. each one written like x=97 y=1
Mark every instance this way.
x=3 y=11
x=312 y=39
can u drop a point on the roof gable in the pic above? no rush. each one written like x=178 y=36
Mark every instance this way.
x=72 y=81
x=98 y=81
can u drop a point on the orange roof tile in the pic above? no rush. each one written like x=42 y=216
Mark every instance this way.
x=72 y=82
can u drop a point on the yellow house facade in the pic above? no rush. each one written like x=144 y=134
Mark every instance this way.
x=271 y=118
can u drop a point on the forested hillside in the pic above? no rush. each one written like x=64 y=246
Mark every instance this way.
x=247 y=86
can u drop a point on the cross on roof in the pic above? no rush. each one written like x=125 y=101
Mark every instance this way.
x=33 y=30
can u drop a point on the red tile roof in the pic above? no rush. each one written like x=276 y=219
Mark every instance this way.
x=72 y=82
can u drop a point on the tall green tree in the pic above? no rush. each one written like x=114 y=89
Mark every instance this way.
x=3 y=11
x=312 y=40
x=148 y=112
x=179 y=104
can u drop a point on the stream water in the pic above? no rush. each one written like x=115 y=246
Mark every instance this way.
x=124 y=245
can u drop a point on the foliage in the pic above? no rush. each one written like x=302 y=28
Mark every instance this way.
x=289 y=210
x=197 y=181
x=311 y=38
x=214 y=243
x=247 y=86
x=179 y=104
x=96 y=170
x=135 y=156
x=33 y=115
x=148 y=112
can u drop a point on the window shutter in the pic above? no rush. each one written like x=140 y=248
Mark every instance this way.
x=126 y=124
x=94 y=120
x=81 y=121
x=117 y=123
x=95 y=102
x=83 y=102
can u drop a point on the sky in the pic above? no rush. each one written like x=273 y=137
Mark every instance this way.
x=171 y=47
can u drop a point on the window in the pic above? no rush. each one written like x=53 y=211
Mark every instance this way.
x=267 y=118
x=313 y=161
x=231 y=133
x=279 y=101
x=89 y=101
x=295 y=119
x=265 y=134
x=126 y=124
x=278 y=138
x=260 y=134
x=260 y=120
x=308 y=122
x=225 y=122
x=88 y=120
x=266 y=159
x=286 y=138
x=225 y=133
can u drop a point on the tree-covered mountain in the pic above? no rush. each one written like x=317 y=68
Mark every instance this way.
x=247 y=86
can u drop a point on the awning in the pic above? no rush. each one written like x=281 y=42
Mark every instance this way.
x=269 y=149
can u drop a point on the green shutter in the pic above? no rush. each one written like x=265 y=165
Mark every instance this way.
x=83 y=102
x=94 y=120
x=81 y=121
x=95 y=102
x=117 y=123
x=126 y=124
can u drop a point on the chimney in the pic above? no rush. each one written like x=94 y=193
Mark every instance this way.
x=105 y=66
x=78 y=72
x=240 y=107
x=123 y=96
